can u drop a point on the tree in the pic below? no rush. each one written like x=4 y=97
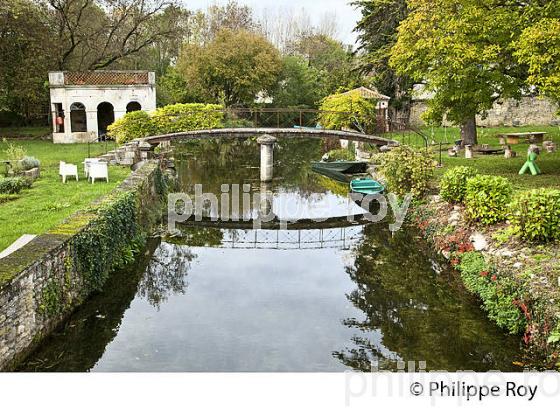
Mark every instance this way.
x=348 y=111
x=26 y=46
x=94 y=34
x=334 y=61
x=204 y=26
x=162 y=54
x=233 y=68
x=284 y=26
x=377 y=35
x=539 y=48
x=462 y=50
x=299 y=84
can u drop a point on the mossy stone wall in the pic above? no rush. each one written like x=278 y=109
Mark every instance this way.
x=41 y=283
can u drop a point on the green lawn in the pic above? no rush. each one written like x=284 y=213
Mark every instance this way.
x=50 y=201
x=24 y=132
x=495 y=164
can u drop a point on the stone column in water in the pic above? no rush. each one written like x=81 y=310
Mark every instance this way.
x=267 y=157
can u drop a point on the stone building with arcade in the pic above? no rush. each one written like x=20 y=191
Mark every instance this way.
x=84 y=104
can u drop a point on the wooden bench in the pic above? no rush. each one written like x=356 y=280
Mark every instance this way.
x=515 y=138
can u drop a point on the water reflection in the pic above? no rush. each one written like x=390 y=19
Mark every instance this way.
x=166 y=273
x=420 y=313
x=307 y=299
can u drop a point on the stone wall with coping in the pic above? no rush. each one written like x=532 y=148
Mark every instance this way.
x=527 y=111
x=33 y=278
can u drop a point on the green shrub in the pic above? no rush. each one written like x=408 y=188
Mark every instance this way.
x=14 y=153
x=28 y=163
x=453 y=184
x=336 y=109
x=187 y=117
x=407 y=171
x=13 y=185
x=136 y=124
x=499 y=294
x=535 y=214
x=341 y=154
x=487 y=199
x=166 y=120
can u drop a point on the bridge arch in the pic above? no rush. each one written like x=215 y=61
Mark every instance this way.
x=277 y=132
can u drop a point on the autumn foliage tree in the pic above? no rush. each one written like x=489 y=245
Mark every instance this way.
x=233 y=68
x=463 y=51
x=539 y=48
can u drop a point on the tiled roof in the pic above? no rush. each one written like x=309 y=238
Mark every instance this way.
x=369 y=93
x=106 y=78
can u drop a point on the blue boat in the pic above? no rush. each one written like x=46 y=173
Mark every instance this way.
x=366 y=186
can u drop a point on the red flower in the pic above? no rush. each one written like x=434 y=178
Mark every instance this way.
x=484 y=273
x=494 y=278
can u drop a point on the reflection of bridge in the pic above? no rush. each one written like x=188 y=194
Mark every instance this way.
x=335 y=238
x=277 y=224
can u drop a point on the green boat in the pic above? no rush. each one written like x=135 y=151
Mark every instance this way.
x=346 y=167
x=366 y=186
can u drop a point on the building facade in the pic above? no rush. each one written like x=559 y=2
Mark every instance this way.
x=84 y=104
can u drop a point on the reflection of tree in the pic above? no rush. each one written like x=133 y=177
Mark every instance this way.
x=420 y=315
x=79 y=345
x=166 y=273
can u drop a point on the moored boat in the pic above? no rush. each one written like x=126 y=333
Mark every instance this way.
x=346 y=167
x=366 y=186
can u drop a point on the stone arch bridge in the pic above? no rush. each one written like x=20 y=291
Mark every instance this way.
x=140 y=149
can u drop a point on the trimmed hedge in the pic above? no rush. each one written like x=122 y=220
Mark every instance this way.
x=166 y=120
x=453 y=184
x=136 y=124
x=535 y=214
x=487 y=198
x=187 y=117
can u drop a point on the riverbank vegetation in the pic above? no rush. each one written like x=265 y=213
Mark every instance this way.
x=48 y=202
x=503 y=243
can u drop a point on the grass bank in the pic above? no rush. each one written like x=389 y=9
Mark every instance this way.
x=493 y=164
x=50 y=201
x=25 y=132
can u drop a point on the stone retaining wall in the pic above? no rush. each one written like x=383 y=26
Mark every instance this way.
x=39 y=284
x=527 y=111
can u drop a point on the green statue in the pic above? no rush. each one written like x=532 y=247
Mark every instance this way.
x=531 y=164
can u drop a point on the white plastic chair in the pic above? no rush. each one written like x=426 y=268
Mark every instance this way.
x=87 y=162
x=98 y=170
x=67 y=170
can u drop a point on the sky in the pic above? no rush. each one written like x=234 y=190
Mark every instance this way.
x=347 y=16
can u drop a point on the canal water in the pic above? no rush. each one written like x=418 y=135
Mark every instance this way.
x=319 y=298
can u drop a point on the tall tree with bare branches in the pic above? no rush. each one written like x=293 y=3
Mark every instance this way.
x=94 y=34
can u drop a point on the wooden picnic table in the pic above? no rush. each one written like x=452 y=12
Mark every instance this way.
x=513 y=138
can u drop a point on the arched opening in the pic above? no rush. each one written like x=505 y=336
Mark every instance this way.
x=105 y=117
x=78 y=118
x=133 y=106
